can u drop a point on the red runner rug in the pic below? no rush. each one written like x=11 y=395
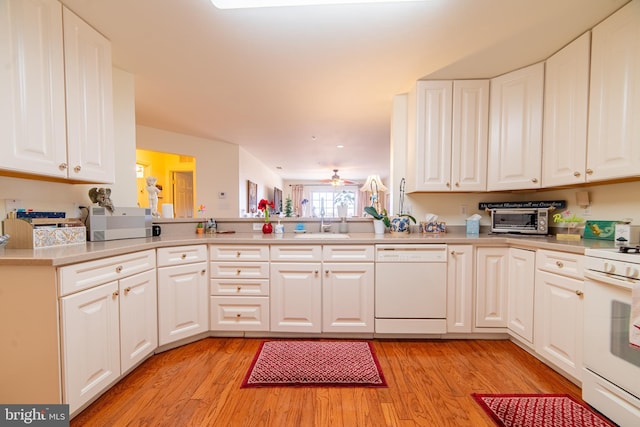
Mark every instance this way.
x=315 y=364
x=539 y=410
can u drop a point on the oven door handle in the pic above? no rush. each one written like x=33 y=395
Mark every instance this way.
x=610 y=279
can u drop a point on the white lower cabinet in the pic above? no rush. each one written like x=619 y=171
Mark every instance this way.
x=109 y=326
x=559 y=309
x=239 y=288
x=347 y=297
x=296 y=297
x=492 y=264
x=183 y=310
x=520 y=293
x=460 y=285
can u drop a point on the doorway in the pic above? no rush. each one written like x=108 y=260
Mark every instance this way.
x=183 y=194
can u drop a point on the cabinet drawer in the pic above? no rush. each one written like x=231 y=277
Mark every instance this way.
x=347 y=253
x=86 y=275
x=296 y=253
x=562 y=263
x=239 y=313
x=226 y=270
x=239 y=253
x=181 y=255
x=240 y=287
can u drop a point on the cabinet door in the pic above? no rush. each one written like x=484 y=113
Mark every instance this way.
x=614 y=103
x=460 y=284
x=90 y=337
x=32 y=105
x=296 y=297
x=470 y=133
x=90 y=144
x=491 y=287
x=138 y=318
x=182 y=302
x=566 y=95
x=515 y=138
x=559 y=321
x=347 y=297
x=522 y=267
x=429 y=154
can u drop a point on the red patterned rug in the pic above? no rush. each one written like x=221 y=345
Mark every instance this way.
x=315 y=364
x=539 y=410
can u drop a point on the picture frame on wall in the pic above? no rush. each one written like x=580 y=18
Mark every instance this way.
x=277 y=200
x=252 y=197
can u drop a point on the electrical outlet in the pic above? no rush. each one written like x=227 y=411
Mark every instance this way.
x=257 y=226
x=12 y=205
x=463 y=209
x=586 y=211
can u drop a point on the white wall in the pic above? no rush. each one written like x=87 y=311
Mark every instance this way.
x=217 y=167
x=58 y=196
x=252 y=169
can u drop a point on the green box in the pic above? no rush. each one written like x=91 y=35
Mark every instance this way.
x=600 y=230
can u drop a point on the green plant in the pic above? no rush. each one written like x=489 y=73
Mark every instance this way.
x=345 y=198
x=371 y=210
x=288 y=207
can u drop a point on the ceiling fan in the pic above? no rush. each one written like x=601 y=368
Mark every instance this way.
x=336 y=181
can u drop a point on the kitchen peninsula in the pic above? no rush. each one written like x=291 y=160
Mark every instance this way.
x=46 y=343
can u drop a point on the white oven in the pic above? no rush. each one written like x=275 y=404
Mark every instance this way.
x=611 y=381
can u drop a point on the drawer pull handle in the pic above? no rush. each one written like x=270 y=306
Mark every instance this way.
x=183 y=256
x=119 y=269
x=238 y=315
x=559 y=264
x=238 y=254
x=579 y=292
x=239 y=288
x=238 y=271
x=127 y=290
x=115 y=294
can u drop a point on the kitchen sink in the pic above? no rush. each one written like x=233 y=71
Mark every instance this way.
x=322 y=236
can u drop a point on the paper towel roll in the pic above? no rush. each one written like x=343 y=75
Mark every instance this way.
x=167 y=210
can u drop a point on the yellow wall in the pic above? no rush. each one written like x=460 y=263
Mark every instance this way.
x=161 y=165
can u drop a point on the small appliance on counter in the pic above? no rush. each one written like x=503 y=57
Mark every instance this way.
x=123 y=223
x=520 y=221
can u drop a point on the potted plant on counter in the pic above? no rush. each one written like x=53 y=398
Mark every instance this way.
x=380 y=219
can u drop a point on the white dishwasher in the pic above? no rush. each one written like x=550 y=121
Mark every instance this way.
x=411 y=289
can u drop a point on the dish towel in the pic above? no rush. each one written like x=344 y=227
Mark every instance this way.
x=634 y=327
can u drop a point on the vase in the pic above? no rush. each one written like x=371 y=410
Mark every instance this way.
x=378 y=226
x=399 y=225
x=267 y=228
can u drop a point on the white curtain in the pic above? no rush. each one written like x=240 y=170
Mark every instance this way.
x=297 y=191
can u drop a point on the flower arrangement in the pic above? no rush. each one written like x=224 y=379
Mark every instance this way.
x=201 y=209
x=264 y=205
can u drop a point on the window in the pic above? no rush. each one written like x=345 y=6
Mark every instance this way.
x=322 y=197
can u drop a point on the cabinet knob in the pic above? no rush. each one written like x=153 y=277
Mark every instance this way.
x=119 y=269
x=77 y=169
x=559 y=264
x=534 y=180
x=576 y=174
x=238 y=254
x=448 y=185
x=457 y=184
x=239 y=288
x=127 y=290
x=238 y=271
x=316 y=273
x=183 y=256
x=238 y=315
x=453 y=252
x=579 y=292
x=589 y=171
x=203 y=272
x=326 y=273
x=115 y=294
x=62 y=166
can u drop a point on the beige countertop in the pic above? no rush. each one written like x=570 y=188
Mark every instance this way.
x=70 y=254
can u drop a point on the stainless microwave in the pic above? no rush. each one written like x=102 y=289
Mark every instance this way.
x=521 y=221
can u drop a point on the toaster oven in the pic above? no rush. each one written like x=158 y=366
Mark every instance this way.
x=520 y=221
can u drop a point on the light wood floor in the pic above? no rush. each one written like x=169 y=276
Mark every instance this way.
x=429 y=384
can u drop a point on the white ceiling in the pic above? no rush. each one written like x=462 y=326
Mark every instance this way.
x=289 y=84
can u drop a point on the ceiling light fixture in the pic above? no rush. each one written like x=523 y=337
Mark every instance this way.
x=336 y=181
x=243 y=4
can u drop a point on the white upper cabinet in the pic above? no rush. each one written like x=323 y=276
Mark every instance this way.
x=447 y=124
x=32 y=105
x=614 y=106
x=566 y=98
x=57 y=117
x=515 y=130
x=90 y=146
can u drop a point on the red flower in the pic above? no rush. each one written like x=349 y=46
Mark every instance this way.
x=263 y=205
